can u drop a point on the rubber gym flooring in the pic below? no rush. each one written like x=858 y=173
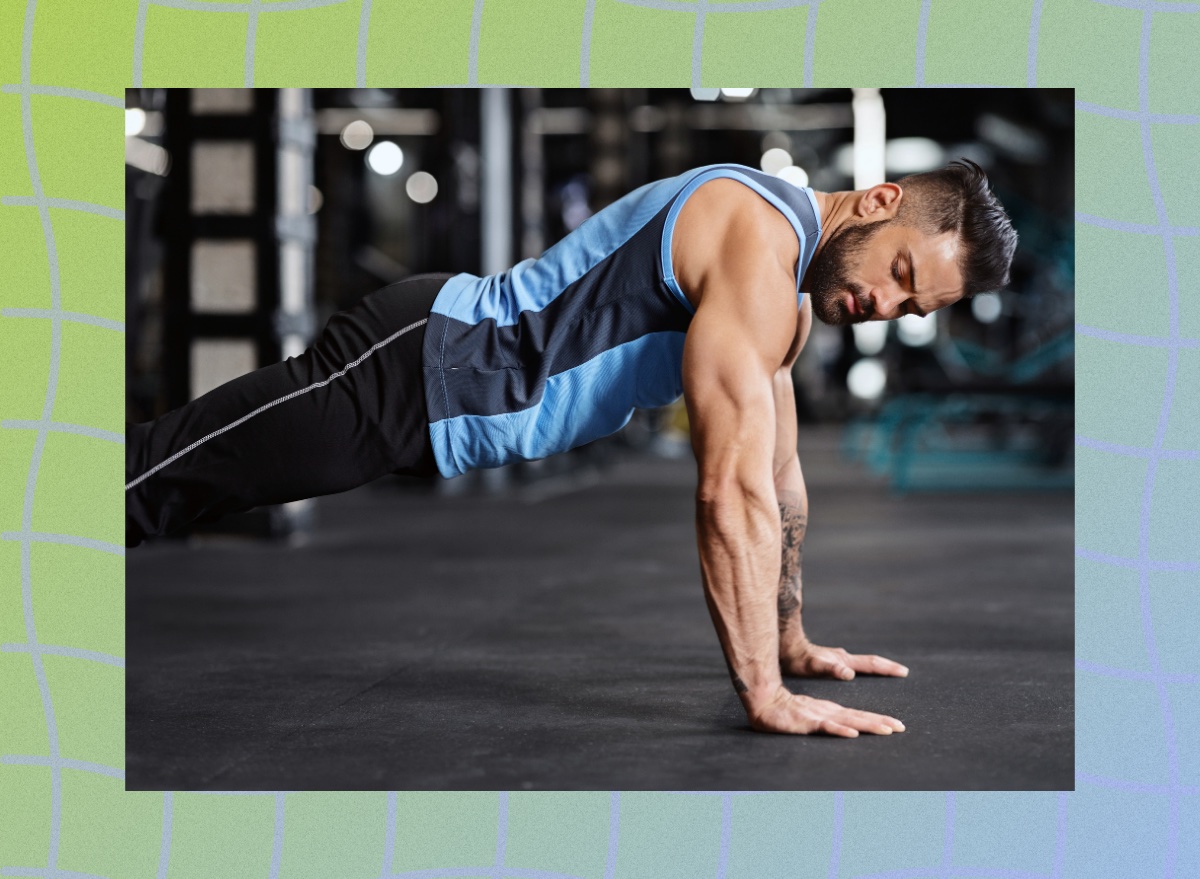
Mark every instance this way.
x=555 y=636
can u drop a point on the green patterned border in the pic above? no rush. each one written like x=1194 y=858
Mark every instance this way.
x=63 y=67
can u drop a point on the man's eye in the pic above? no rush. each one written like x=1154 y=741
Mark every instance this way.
x=896 y=271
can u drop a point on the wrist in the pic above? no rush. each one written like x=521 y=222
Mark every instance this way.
x=755 y=699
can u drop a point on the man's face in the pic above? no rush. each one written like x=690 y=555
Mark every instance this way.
x=881 y=271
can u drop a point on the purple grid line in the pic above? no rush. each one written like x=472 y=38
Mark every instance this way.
x=810 y=41
x=389 y=838
x=726 y=833
x=59 y=763
x=1127 y=339
x=948 y=835
x=1136 y=228
x=164 y=850
x=1035 y=27
x=922 y=33
x=585 y=45
x=68 y=204
x=277 y=845
x=1136 y=564
x=614 y=835
x=1134 y=451
x=1136 y=787
x=251 y=45
x=27 y=537
x=1137 y=115
x=71 y=652
x=139 y=41
x=364 y=32
x=58 y=91
x=64 y=427
x=835 y=852
x=73 y=316
x=473 y=56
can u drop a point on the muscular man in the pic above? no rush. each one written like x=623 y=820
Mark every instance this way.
x=696 y=285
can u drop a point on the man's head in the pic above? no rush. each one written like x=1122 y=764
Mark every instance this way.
x=913 y=246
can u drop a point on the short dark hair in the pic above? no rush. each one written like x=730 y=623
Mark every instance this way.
x=957 y=199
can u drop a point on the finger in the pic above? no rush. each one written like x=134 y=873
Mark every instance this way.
x=857 y=720
x=833 y=668
x=867 y=721
x=877 y=665
x=833 y=728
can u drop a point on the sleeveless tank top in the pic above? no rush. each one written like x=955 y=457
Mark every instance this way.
x=559 y=350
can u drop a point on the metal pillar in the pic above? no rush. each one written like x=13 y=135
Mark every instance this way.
x=497 y=201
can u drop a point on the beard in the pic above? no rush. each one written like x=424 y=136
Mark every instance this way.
x=828 y=276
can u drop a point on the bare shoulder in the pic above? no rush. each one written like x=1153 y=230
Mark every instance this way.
x=728 y=234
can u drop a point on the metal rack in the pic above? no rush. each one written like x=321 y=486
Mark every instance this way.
x=240 y=268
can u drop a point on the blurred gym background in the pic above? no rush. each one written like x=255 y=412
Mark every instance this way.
x=254 y=214
x=542 y=625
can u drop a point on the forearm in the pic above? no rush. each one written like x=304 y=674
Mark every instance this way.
x=739 y=542
x=793 y=518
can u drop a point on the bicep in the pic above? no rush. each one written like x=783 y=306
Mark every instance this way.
x=786 y=464
x=733 y=350
x=729 y=404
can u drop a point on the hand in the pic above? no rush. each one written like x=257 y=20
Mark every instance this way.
x=787 y=712
x=812 y=661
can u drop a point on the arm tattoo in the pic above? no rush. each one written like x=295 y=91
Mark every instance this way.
x=794 y=522
x=739 y=686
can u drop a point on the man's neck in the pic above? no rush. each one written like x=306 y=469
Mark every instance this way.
x=835 y=208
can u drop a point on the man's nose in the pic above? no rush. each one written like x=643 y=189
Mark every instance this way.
x=887 y=303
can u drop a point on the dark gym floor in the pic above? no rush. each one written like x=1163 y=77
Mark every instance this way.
x=556 y=637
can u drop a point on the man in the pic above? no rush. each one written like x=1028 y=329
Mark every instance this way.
x=694 y=285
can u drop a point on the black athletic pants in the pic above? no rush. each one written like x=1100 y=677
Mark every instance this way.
x=348 y=410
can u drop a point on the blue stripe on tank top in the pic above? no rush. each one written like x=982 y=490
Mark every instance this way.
x=566 y=417
x=803 y=232
x=622 y=298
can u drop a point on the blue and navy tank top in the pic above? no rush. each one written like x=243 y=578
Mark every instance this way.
x=559 y=350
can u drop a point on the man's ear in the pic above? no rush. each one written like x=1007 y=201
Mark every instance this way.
x=880 y=202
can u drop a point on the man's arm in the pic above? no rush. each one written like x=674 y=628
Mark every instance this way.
x=739 y=337
x=727 y=367
x=793 y=518
x=797 y=655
